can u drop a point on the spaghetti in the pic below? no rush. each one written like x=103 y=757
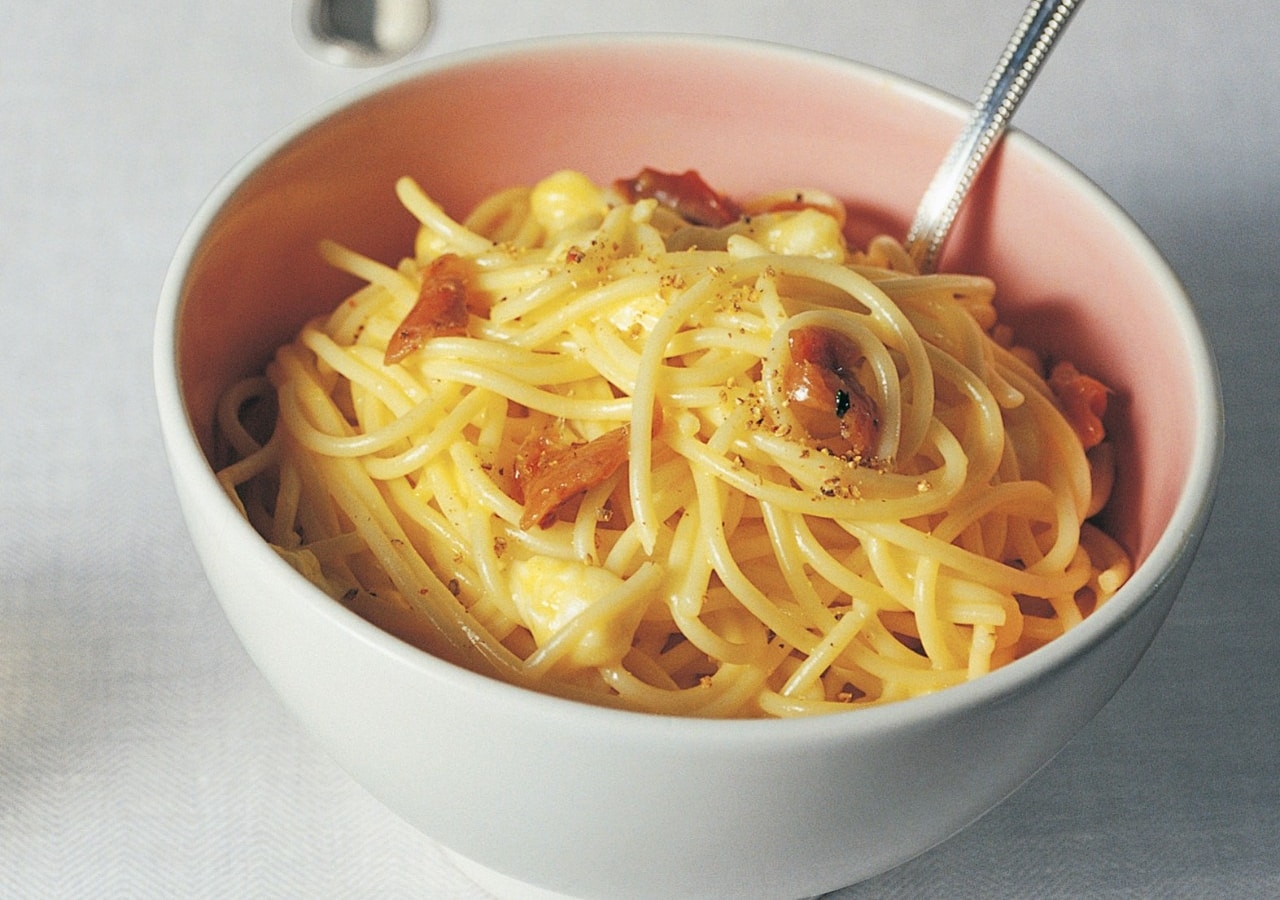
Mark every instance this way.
x=593 y=442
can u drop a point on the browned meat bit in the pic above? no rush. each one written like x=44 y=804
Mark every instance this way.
x=825 y=395
x=548 y=474
x=1083 y=400
x=441 y=308
x=687 y=194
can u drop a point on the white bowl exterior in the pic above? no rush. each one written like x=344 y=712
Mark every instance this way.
x=592 y=802
x=581 y=804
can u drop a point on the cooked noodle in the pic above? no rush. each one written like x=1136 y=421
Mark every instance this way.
x=733 y=564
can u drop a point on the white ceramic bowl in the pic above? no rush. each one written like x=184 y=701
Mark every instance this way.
x=597 y=803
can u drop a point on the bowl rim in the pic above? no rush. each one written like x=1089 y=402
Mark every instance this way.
x=1177 y=539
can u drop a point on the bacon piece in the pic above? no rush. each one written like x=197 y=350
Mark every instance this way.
x=547 y=475
x=687 y=194
x=825 y=395
x=441 y=308
x=1083 y=400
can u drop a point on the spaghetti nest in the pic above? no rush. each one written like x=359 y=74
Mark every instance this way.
x=595 y=444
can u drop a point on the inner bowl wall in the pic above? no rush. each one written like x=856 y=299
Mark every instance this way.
x=1065 y=280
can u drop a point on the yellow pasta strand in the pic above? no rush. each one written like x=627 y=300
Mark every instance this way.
x=705 y=551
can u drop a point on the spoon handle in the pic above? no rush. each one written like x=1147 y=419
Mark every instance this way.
x=1027 y=49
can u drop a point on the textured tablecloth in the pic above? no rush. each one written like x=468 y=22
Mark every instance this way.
x=141 y=755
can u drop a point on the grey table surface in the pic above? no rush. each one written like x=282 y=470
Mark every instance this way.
x=140 y=752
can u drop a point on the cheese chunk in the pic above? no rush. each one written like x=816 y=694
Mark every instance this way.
x=549 y=593
x=566 y=200
x=806 y=233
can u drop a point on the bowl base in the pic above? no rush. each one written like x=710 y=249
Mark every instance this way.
x=501 y=887
x=504 y=887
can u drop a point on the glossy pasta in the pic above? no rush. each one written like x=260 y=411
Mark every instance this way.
x=592 y=473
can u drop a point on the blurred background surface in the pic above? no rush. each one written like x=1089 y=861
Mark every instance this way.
x=140 y=752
